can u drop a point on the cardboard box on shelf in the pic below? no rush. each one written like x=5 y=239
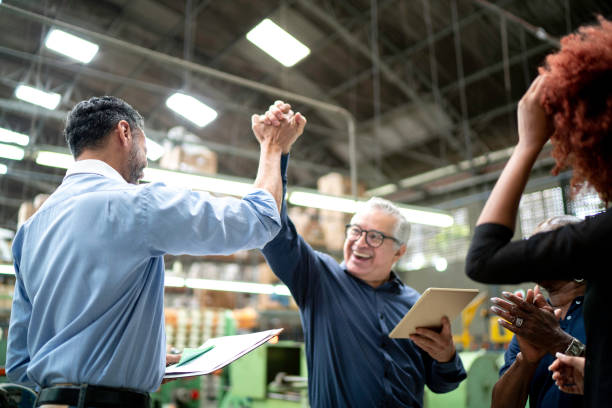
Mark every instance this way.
x=217 y=299
x=306 y=221
x=333 y=224
x=337 y=185
x=28 y=208
x=266 y=275
x=39 y=200
x=190 y=158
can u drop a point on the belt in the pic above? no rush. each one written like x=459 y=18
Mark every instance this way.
x=93 y=395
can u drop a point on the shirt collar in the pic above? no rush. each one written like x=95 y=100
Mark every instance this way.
x=95 y=167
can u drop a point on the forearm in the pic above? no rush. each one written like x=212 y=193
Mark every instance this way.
x=512 y=389
x=502 y=205
x=559 y=343
x=268 y=173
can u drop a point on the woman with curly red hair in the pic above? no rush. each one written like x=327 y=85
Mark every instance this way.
x=570 y=103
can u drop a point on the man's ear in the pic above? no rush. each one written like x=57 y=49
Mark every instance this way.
x=124 y=133
x=400 y=251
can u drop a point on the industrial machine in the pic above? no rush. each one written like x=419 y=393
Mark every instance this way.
x=272 y=376
x=482 y=369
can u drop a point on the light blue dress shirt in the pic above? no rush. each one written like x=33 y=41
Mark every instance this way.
x=88 y=304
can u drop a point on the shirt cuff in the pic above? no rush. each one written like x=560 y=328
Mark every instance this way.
x=449 y=367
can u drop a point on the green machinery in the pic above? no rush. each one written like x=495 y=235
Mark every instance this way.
x=272 y=376
x=482 y=369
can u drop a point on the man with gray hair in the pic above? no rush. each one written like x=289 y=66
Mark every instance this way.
x=348 y=310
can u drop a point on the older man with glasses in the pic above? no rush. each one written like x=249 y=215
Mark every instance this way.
x=348 y=310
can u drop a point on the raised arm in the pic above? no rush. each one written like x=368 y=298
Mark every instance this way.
x=275 y=139
x=534 y=131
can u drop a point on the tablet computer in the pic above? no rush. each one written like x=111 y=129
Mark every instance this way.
x=429 y=309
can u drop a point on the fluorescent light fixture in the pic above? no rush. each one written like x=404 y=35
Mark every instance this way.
x=382 y=190
x=195 y=182
x=54 y=159
x=8 y=136
x=324 y=202
x=71 y=46
x=241 y=187
x=11 y=152
x=35 y=96
x=174 y=281
x=154 y=150
x=191 y=109
x=242 y=287
x=347 y=205
x=3 y=168
x=427 y=217
x=7 y=269
x=277 y=43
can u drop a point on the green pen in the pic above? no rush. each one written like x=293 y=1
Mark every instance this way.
x=190 y=354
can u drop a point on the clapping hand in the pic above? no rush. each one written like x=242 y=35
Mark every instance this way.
x=534 y=321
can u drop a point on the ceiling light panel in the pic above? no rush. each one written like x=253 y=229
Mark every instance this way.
x=35 y=96
x=71 y=46
x=8 y=136
x=191 y=108
x=277 y=43
x=11 y=152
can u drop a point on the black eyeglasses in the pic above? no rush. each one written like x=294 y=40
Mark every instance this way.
x=373 y=238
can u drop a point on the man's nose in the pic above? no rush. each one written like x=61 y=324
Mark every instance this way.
x=361 y=241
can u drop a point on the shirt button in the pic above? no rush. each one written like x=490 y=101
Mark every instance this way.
x=381 y=316
x=578 y=302
x=569 y=317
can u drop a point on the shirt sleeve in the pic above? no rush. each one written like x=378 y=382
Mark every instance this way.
x=569 y=252
x=510 y=355
x=289 y=256
x=17 y=356
x=443 y=377
x=197 y=223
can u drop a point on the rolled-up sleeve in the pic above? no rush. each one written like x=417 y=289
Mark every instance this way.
x=197 y=223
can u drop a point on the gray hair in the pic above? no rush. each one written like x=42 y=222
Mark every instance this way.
x=555 y=222
x=402 y=226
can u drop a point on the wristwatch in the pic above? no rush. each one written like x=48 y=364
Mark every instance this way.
x=575 y=348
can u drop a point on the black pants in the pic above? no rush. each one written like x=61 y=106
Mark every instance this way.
x=92 y=396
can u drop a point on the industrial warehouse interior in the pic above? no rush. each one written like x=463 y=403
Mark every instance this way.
x=413 y=101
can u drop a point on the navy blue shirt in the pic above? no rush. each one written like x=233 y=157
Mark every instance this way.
x=543 y=393
x=351 y=360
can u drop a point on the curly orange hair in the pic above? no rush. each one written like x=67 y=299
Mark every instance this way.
x=578 y=97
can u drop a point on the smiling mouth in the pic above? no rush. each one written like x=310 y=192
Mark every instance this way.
x=361 y=256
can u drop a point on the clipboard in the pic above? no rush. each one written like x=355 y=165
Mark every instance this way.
x=429 y=309
x=218 y=352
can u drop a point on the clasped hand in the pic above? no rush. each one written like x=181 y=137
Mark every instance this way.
x=279 y=126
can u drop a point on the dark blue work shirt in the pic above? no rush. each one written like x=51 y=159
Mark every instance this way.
x=351 y=360
x=543 y=393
